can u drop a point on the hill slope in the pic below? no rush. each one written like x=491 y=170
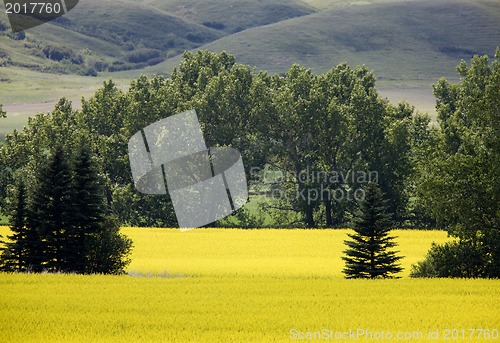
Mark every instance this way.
x=404 y=40
x=116 y=35
x=408 y=43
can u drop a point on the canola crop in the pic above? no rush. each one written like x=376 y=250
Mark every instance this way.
x=220 y=285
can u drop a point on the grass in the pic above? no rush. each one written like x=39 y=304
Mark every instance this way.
x=407 y=41
x=421 y=97
x=408 y=44
x=214 y=285
x=235 y=15
x=28 y=92
x=107 y=31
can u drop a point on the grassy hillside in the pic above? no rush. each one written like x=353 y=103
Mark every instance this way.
x=408 y=43
x=403 y=40
x=122 y=35
x=234 y=15
x=400 y=40
x=104 y=35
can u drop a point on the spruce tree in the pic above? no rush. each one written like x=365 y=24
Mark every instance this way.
x=93 y=242
x=51 y=209
x=68 y=226
x=368 y=254
x=87 y=206
x=24 y=250
x=109 y=249
x=13 y=255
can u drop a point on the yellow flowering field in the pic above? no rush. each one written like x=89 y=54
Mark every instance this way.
x=215 y=285
x=277 y=252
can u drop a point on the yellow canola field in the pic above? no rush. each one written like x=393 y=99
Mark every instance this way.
x=215 y=285
x=275 y=252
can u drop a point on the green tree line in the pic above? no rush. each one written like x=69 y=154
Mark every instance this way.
x=458 y=181
x=322 y=133
x=334 y=125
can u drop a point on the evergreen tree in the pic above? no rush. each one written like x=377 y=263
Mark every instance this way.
x=87 y=207
x=68 y=227
x=367 y=254
x=14 y=252
x=23 y=251
x=51 y=209
x=93 y=242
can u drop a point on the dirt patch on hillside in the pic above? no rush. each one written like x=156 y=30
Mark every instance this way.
x=32 y=109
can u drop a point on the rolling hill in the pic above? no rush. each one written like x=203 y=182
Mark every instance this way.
x=121 y=35
x=400 y=40
x=408 y=43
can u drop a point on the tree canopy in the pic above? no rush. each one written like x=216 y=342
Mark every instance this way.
x=326 y=134
x=458 y=181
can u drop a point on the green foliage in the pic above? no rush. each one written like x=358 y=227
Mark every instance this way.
x=464 y=168
x=458 y=181
x=66 y=227
x=242 y=218
x=299 y=123
x=88 y=206
x=51 y=209
x=60 y=53
x=108 y=251
x=142 y=55
x=459 y=259
x=23 y=251
x=325 y=129
x=214 y=25
x=368 y=254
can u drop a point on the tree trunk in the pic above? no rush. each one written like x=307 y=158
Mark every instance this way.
x=309 y=216
x=328 y=210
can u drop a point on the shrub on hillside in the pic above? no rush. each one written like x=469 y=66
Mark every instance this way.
x=87 y=71
x=121 y=66
x=217 y=25
x=59 y=53
x=3 y=26
x=155 y=61
x=195 y=37
x=98 y=65
x=142 y=55
x=17 y=35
